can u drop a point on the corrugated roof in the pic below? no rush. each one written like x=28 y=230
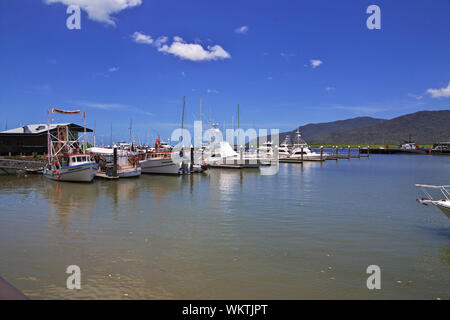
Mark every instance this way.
x=38 y=128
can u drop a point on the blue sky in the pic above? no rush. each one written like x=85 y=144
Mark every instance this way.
x=287 y=63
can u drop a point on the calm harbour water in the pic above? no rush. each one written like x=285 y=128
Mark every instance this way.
x=307 y=233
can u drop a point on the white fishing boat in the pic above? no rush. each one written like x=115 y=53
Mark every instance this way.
x=160 y=162
x=66 y=161
x=443 y=204
x=75 y=168
x=302 y=151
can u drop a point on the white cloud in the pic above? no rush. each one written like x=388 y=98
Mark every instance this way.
x=212 y=91
x=113 y=106
x=315 y=63
x=194 y=51
x=100 y=10
x=440 y=93
x=330 y=88
x=241 y=30
x=182 y=49
x=139 y=37
x=113 y=69
x=158 y=42
x=415 y=96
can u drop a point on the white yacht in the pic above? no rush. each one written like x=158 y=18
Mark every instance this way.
x=266 y=150
x=302 y=151
x=443 y=204
x=284 y=150
x=221 y=154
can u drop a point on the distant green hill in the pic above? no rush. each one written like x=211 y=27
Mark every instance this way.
x=424 y=127
x=313 y=131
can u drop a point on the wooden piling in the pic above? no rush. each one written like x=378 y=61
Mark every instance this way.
x=191 y=167
x=301 y=150
x=359 y=152
x=321 y=153
x=349 y=152
x=115 y=162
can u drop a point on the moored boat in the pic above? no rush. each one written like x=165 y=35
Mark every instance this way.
x=442 y=204
x=74 y=168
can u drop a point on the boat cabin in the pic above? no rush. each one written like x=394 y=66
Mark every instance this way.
x=74 y=160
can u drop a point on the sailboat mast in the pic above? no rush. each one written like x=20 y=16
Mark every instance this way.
x=84 y=122
x=48 y=137
x=200 y=108
x=239 y=140
x=182 y=119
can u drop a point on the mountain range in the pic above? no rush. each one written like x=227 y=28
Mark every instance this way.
x=423 y=127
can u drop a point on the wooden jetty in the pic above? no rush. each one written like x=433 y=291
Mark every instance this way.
x=287 y=160
x=423 y=151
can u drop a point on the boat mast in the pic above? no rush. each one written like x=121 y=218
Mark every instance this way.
x=49 y=149
x=182 y=120
x=239 y=140
x=84 y=121
x=200 y=108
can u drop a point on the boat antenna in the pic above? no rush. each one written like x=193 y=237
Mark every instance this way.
x=84 y=122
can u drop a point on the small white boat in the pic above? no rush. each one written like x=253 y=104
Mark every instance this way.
x=129 y=172
x=160 y=162
x=266 y=150
x=443 y=204
x=221 y=154
x=302 y=151
x=283 y=151
x=75 y=168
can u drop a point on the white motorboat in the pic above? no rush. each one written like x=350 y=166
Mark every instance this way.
x=302 y=151
x=266 y=150
x=160 y=162
x=221 y=154
x=443 y=204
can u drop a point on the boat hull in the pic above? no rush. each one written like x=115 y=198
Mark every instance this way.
x=80 y=173
x=160 y=166
x=129 y=172
x=444 y=206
